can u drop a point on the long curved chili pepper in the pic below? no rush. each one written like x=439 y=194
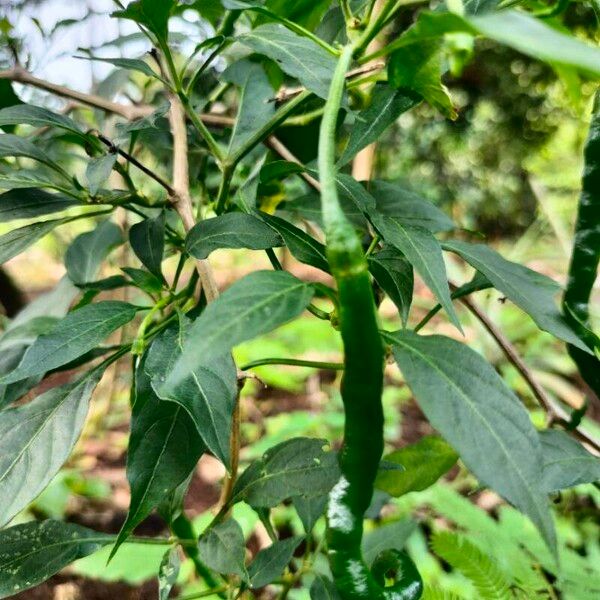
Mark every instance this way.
x=362 y=386
x=586 y=253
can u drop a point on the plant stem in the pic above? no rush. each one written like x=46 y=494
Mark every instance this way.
x=205 y=594
x=294 y=362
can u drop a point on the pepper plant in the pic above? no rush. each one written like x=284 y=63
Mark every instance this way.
x=225 y=176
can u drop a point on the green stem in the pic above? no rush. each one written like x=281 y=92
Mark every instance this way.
x=224 y=187
x=294 y=362
x=375 y=241
x=206 y=593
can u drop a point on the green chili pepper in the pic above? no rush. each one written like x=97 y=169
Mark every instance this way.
x=362 y=387
x=586 y=255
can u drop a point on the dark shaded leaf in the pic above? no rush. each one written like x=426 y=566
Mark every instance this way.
x=302 y=246
x=164 y=448
x=270 y=562
x=33 y=552
x=566 y=462
x=532 y=292
x=80 y=331
x=222 y=548
x=37 y=438
x=147 y=239
x=387 y=104
x=144 y=280
x=232 y=230
x=37 y=116
x=26 y=203
x=480 y=416
x=88 y=250
x=323 y=588
x=15 y=146
x=208 y=393
x=310 y=509
x=394 y=274
x=423 y=464
x=297 y=467
x=391 y=536
x=98 y=171
x=153 y=14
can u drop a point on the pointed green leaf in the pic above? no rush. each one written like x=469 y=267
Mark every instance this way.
x=252 y=306
x=208 y=393
x=391 y=536
x=153 y=14
x=16 y=241
x=88 y=250
x=18 y=147
x=147 y=239
x=302 y=246
x=37 y=438
x=470 y=405
x=424 y=252
x=566 y=462
x=98 y=171
x=310 y=509
x=26 y=203
x=255 y=105
x=395 y=276
x=296 y=55
x=423 y=464
x=298 y=467
x=79 y=332
x=37 y=116
x=130 y=64
x=408 y=207
x=387 y=104
x=164 y=448
x=323 y=588
x=532 y=292
x=223 y=549
x=144 y=280
x=33 y=552
x=232 y=230
x=270 y=562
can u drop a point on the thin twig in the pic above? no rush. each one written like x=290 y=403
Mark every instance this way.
x=554 y=413
x=289 y=93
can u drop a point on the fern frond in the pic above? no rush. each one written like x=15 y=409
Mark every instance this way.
x=435 y=593
x=464 y=556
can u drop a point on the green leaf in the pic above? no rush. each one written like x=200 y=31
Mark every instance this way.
x=88 y=250
x=147 y=239
x=302 y=246
x=279 y=169
x=98 y=171
x=304 y=12
x=435 y=593
x=387 y=104
x=232 y=230
x=79 y=332
x=323 y=588
x=16 y=241
x=26 y=203
x=153 y=14
x=223 y=549
x=391 y=536
x=208 y=394
x=270 y=562
x=256 y=107
x=28 y=114
x=15 y=146
x=296 y=55
x=418 y=67
x=37 y=438
x=395 y=276
x=585 y=255
x=424 y=252
x=168 y=573
x=252 y=306
x=130 y=64
x=33 y=552
x=480 y=417
x=144 y=280
x=566 y=462
x=310 y=509
x=424 y=463
x=464 y=556
x=532 y=292
x=297 y=467
x=164 y=448
x=25 y=178
x=408 y=207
